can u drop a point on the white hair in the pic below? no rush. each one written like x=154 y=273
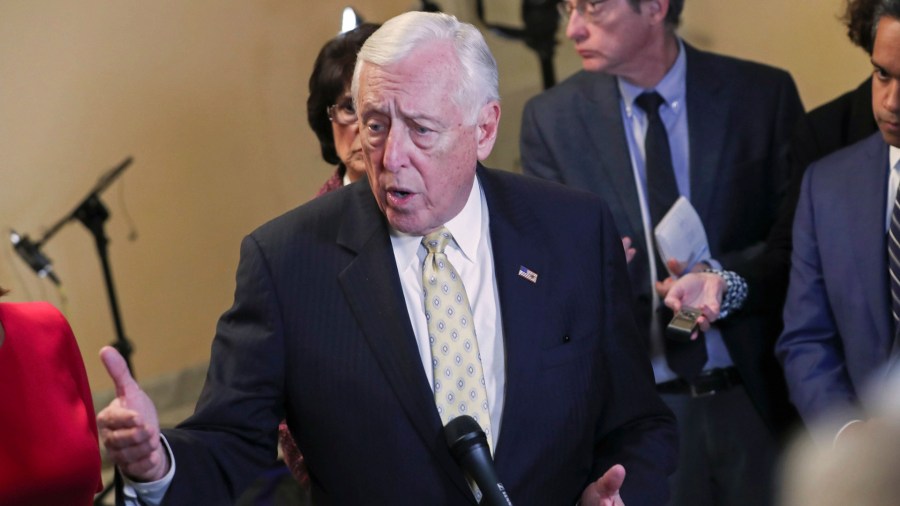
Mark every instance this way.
x=399 y=36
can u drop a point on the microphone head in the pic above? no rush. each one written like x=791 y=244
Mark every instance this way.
x=31 y=254
x=463 y=433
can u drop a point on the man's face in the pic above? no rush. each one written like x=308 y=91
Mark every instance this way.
x=420 y=148
x=886 y=79
x=612 y=39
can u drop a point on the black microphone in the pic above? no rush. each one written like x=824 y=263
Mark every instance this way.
x=31 y=254
x=469 y=447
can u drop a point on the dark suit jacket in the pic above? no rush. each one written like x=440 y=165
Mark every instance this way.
x=834 y=125
x=319 y=333
x=740 y=116
x=837 y=327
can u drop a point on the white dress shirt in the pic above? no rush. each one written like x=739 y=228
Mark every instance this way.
x=472 y=257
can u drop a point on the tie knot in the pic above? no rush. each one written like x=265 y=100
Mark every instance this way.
x=436 y=241
x=649 y=101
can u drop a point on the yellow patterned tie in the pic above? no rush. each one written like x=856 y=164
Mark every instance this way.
x=458 y=377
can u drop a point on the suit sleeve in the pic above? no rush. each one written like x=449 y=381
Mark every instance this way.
x=232 y=435
x=809 y=348
x=640 y=431
x=762 y=265
x=536 y=157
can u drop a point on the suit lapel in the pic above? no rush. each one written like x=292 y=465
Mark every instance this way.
x=708 y=112
x=607 y=148
x=867 y=186
x=522 y=304
x=372 y=287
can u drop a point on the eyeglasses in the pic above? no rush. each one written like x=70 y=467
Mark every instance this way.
x=342 y=113
x=586 y=8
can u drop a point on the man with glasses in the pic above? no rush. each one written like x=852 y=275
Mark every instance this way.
x=649 y=120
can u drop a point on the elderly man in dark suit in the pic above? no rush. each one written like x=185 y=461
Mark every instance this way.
x=843 y=305
x=648 y=120
x=524 y=325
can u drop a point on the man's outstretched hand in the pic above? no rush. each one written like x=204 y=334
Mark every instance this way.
x=129 y=427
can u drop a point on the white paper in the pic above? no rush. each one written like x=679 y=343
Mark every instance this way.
x=680 y=235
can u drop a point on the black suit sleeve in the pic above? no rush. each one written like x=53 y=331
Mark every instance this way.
x=232 y=436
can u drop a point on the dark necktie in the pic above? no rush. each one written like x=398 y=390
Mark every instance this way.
x=894 y=261
x=685 y=358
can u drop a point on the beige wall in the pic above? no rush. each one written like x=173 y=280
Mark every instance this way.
x=209 y=98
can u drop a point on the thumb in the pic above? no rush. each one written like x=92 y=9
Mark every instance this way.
x=612 y=480
x=118 y=370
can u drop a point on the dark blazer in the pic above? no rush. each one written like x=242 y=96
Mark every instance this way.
x=837 y=323
x=834 y=125
x=740 y=116
x=319 y=334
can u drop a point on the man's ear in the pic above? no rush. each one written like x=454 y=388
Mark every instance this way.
x=657 y=9
x=486 y=128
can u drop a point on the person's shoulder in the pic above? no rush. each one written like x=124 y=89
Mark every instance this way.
x=734 y=68
x=848 y=163
x=579 y=85
x=870 y=146
x=38 y=312
x=320 y=212
x=538 y=193
x=838 y=107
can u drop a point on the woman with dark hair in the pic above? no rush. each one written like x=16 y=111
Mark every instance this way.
x=330 y=110
x=47 y=431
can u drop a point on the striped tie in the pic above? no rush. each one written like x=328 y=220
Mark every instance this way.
x=894 y=260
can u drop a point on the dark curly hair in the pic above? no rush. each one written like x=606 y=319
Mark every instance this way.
x=331 y=75
x=859 y=20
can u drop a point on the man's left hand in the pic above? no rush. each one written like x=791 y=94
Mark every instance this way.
x=605 y=491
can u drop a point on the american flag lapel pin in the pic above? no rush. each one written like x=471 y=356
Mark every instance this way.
x=528 y=274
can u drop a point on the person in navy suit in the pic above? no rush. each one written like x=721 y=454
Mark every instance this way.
x=329 y=332
x=839 y=333
x=728 y=124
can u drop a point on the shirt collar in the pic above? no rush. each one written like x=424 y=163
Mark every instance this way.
x=465 y=227
x=894 y=157
x=671 y=87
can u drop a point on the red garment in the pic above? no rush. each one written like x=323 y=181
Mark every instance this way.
x=334 y=182
x=49 y=452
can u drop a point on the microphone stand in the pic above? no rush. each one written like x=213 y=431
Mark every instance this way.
x=93 y=214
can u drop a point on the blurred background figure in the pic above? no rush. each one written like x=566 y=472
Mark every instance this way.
x=861 y=470
x=48 y=437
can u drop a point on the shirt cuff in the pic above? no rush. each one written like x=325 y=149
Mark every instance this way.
x=150 y=493
x=735 y=291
